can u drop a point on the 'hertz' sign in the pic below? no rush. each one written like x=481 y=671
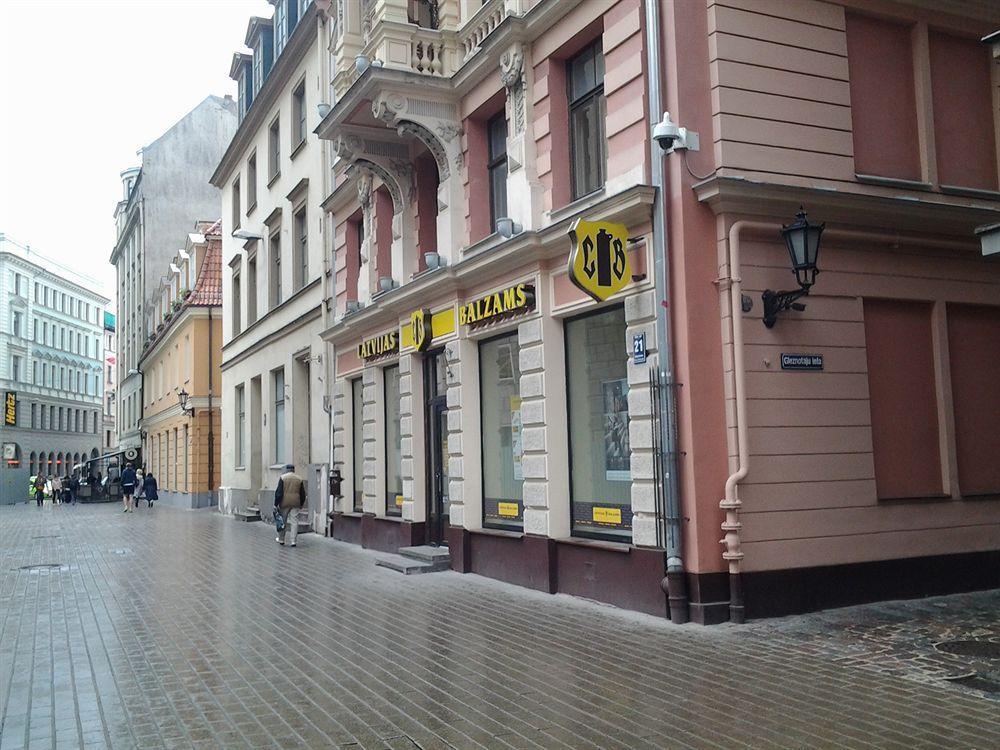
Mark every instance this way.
x=10 y=408
x=490 y=307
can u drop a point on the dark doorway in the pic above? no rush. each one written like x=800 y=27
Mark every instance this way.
x=436 y=432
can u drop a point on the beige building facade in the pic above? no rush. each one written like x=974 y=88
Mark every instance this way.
x=181 y=418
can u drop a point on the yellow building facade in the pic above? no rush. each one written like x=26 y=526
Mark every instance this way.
x=180 y=424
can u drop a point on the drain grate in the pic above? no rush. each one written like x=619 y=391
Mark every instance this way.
x=43 y=566
x=979 y=649
x=46 y=536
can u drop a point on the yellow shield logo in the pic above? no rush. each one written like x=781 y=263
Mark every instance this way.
x=598 y=262
x=420 y=329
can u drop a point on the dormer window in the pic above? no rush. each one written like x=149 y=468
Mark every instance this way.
x=280 y=26
x=258 y=65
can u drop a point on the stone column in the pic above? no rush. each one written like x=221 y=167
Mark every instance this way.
x=342 y=457
x=374 y=440
x=465 y=476
x=545 y=459
x=411 y=428
x=640 y=317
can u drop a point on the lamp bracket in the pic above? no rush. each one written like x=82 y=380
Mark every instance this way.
x=776 y=302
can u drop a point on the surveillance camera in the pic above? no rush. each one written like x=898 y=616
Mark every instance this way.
x=670 y=136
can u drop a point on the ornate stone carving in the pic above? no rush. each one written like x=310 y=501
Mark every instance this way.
x=388 y=179
x=406 y=177
x=388 y=107
x=364 y=186
x=348 y=147
x=512 y=77
x=433 y=143
x=448 y=131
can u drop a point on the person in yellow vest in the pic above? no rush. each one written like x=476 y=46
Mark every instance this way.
x=289 y=496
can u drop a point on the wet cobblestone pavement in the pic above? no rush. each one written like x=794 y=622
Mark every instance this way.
x=177 y=629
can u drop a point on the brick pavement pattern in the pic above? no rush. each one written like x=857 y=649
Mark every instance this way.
x=170 y=629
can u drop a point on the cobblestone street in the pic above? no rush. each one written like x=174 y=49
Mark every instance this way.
x=169 y=629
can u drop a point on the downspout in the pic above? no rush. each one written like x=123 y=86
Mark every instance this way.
x=731 y=502
x=675 y=581
x=211 y=418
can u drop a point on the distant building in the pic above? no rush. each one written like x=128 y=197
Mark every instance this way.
x=51 y=355
x=159 y=201
x=110 y=380
x=180 y=425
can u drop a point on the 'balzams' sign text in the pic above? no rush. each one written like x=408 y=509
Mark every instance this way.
x=509 y=301
x=379 y=346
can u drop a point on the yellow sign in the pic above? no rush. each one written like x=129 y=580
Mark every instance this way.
x=598 y=262
x=420 y=329
x=379 y=346
x=507 y=301
x=507 y=510
x=608 y=515
x=399 y=501
x=10 y=408
x=441 y=324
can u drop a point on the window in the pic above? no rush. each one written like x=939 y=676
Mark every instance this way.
x=300 y=228
x=15 y=326
x=251 y=182
x=236 y=204
x=274 y=276
x=585 y=77
x=393 y=443
x=34 y=416
x=299 y=115
x=241 y=421
x=358 y=440
x=274 y=150
x=883 y=101
x=251 y=289
x=973 y=333
x=15 y=369
x=280 y=25
x=258 y=65
x=279 y=416
x=236 y=301
x=38 y=293
x=496 y=135
x=903 y=399
x=500 y=402
x=600 y=458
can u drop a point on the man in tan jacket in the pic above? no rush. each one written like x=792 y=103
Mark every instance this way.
x=289 y=496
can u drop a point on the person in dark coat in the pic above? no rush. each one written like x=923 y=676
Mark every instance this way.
x=74 y=488
x=39 y=489
x=127 y=480
x=149 y=488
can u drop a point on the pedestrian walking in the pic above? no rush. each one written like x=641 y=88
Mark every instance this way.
x=74 y=488
x=289 y=496
x=140 y=485
x=39 y=489
x=128 y=487
x=56 y=489
x=149 y=489
x=67 y=492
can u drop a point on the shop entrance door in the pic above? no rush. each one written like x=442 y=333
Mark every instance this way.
x=436 y=433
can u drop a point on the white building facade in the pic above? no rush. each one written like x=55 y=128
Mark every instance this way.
x=274 y=274
x=51 y=371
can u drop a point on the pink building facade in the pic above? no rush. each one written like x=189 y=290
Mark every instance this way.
x=481 y=400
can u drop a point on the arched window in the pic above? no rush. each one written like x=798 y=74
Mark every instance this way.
x=31 y=464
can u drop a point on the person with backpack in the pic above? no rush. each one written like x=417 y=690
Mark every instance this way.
x=39 y=489
x=127 y=481
x=149 y=488
x=289 y=496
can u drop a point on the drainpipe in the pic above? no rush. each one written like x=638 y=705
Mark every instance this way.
x=211 y=419
x=674 y=582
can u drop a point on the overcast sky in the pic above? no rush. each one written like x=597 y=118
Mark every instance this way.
x=83 y=85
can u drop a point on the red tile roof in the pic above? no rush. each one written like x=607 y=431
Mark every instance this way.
x=207 y=290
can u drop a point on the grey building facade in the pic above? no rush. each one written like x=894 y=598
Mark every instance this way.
x=160 y=201
x=51 y=370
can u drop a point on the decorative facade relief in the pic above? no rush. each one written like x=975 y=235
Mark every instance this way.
x=512 y=77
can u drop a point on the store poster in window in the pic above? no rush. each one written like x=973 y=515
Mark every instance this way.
x=617 y=458
x=515 y=436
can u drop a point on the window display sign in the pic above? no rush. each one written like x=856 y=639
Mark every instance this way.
x=598 y=261
x=806 y=362
x=617 y=459
x=498 y=305
x=379 y=346
x=10 y=408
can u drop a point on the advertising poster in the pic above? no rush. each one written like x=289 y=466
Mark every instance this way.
x=617 y=465
x=515 y=436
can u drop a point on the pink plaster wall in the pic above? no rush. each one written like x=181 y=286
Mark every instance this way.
x=382 y=217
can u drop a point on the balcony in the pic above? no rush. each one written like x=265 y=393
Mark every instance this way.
x=433 y=45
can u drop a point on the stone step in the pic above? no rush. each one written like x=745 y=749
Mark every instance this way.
x=426 y=553
x=248 y=514
x=406 y=565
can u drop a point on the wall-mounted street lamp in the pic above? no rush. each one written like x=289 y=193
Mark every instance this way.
x=802 y=239
x=243 y=234
x=183 y=398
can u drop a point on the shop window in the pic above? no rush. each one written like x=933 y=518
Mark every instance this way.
x=393 y=443
x=497 y=166
x=358 y=442
x=973 y=333
x=600 y=457
x=903 y=399
x=964 y=135
x=883 y=101
x=500 y=402
x=587 y=105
